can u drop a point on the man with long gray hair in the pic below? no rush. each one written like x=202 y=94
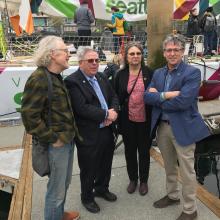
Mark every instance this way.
x=173 y=94
x=52 y=57
x=95 y=106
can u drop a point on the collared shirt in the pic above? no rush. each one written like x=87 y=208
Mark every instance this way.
x=168 y=79
x=95 y=85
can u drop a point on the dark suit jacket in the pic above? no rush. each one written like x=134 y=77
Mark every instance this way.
x=121 y=83
x=86 y=105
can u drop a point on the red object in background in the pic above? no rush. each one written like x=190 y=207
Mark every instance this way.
x=210 y=88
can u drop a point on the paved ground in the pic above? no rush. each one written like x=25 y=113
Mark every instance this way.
x=127 y=207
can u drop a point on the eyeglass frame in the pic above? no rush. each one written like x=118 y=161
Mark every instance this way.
x=91 y=61
x=66 y=50
x=174 y=50
x=133 y=54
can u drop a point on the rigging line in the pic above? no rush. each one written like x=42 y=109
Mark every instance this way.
x=203 y=65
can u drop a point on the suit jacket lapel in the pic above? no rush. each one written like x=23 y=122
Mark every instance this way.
x=86 y=83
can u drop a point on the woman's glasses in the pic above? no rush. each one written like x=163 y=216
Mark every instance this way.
x=92 y=60
x=133 y=53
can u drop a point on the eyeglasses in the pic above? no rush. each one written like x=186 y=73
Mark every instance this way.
x=92 y=60
x=175 y=50
x=133 y=53
x=64 y=50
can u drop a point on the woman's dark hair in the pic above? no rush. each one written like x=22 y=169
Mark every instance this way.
x=129 y=45
x=114 y=8
x=84 y=2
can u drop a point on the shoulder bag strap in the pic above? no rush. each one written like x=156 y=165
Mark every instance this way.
x=50 y=94
x=134 y=83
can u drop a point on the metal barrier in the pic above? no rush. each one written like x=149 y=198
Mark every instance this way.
x=26 y=45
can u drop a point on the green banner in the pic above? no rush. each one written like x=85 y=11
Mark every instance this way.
x=64 y=6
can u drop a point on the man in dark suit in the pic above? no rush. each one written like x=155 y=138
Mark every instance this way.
x=173 y=94
x=95 y=105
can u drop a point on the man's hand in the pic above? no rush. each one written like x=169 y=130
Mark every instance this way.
x=58 y=143
x=112 y=115
x=107 y=122
x=152 y=90
x=171 y=94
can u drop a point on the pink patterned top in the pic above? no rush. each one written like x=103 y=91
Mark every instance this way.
x=136 y=106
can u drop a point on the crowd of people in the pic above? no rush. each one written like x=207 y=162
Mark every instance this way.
x=87 y=110
x=115 y=34
x=205 y=25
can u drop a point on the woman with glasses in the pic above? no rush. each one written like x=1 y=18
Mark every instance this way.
x=134 y=119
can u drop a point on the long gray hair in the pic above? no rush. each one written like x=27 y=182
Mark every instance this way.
x=46 y=45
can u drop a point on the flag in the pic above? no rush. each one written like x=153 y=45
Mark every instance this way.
x=26 y=20
x=61 y=8
x=183 y=7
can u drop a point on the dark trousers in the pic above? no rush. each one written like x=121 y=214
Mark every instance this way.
x=208 y=42
x=95 y=163
x=117 y=39
x=136 y=139
x=84 y=37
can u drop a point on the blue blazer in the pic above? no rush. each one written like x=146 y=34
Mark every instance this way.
x=187 y=124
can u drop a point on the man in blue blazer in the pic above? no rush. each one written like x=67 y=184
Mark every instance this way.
x=173 y=94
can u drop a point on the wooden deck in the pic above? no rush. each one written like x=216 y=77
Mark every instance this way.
x=208 y=199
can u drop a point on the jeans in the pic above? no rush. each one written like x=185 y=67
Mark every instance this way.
x=208 y=42
x=61 y=164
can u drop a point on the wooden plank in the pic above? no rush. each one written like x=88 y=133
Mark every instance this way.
x=19 y=198
x=8 y=179
x=27 y=207
x=12 y=147
x=208 y=199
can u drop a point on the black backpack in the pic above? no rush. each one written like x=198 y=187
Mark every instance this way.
x=209 y=23
x=110 y=72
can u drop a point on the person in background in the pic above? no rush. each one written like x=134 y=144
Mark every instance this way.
x=83 y=17
x=192 y=28
x=106 y=41
x=52 y=56
x=134 y=120
x=95 y=105
x=193 y=24
x=173 y=93
x=117 y=27
x=208 y=26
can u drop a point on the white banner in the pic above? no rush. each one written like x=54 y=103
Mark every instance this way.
x=133 y=10
x=13 y=79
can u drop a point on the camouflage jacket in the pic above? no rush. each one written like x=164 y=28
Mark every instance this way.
x=34 y=109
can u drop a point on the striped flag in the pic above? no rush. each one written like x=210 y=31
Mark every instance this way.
x=60 y=8
x=26 y=20
x=183 y=7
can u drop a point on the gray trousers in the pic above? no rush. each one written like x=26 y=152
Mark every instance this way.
x=171 y=152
